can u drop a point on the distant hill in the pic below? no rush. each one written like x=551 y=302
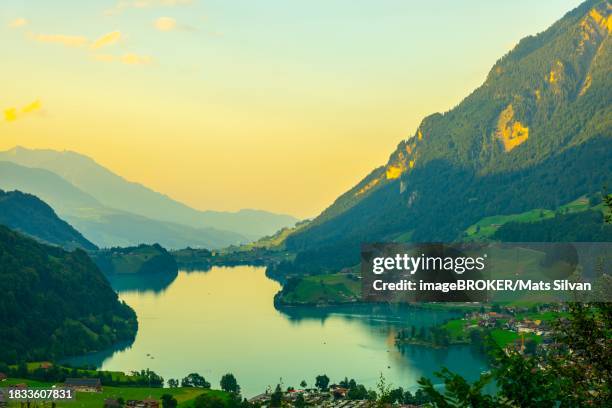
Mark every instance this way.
x=105 y=226
x=31 y=216
x=536 y=135
x=143 y=259
x=114 y=191
x=55 y=303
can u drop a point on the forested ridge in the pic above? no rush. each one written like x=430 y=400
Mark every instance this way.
x=55 y=303
x=30 y=215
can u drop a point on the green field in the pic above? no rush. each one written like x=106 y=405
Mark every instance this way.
x=184 y=395
x=332 y=288
x=543 y=316
x=132 y=262
x=119 y=376
x=456 y=329
x=504 y=337
x=487 y=226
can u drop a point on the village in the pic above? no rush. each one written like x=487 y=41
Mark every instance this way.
x=519 y=329
x=336 y=396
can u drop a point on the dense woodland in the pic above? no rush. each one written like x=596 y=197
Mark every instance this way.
x=55 y=303
x=587 y=226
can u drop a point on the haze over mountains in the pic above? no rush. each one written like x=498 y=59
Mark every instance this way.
x=536 y=134
x=31 y=216
x=112 y=211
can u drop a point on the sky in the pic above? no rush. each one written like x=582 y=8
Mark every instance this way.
x=279 y=105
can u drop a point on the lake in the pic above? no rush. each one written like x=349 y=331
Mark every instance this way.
x=224 y=320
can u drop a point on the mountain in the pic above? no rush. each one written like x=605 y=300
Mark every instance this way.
x=107 y=227
x=115 y=192
x=31 y=216
x=55 y=303
x=536 y=134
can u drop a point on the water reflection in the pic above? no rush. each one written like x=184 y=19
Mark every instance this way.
x=224 y=321
x=98 y=358
x=385 y=314
x=142 y=283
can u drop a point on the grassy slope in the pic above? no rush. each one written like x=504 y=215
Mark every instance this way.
x=184 y=395
x=330 y=288
x=488 y=225
x=131 y=263
x=504 y=337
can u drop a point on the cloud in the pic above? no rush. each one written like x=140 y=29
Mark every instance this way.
x=106 y=40
x=140 y=4
x=12 y=114
x=67 y=40
x=19 y=22
x=165 y=24
x=133 y=59
x=103 y=41
x=127 y=59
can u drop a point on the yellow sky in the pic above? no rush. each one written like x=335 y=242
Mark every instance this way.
x=223 y=108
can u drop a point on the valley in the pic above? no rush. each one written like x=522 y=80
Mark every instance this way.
x=137 y=299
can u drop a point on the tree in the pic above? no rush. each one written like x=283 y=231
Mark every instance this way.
x=397 y=395
x=168 y=401
x=229 y=383
x=299 y=401
x=173 y=383
x=195 y=380
x=530 y=347
x=576 y=372
x=359 y=392
x=384 y=392
x=322 y=382
x=303 y=384
x=209 y=401
x=276 y=399
x=607 y=199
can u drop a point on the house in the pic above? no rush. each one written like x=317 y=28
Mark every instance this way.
x=260 y=398
x=151 y=403
x=146 y=403
x=339 y=392
x=84 y=384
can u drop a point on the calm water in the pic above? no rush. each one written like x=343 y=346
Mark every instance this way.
x=224 y=320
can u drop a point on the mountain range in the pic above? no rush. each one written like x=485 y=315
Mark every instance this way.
x=112 y=211
x=536 y=134
x=31 y=216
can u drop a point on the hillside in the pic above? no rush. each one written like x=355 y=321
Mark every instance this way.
x=143 y=259
x=55 y=303
x=105 y=226
x=116 y=192
x=536 y=135
x=31 y=216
